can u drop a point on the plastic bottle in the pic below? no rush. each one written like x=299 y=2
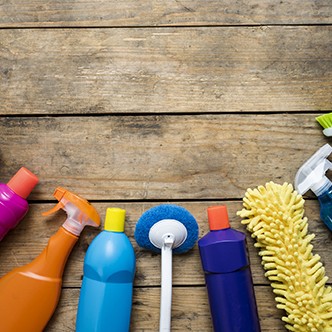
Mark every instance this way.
x=29 y=294
x=109 y=268
x=228 y=277
x=311 y=175
x=13 y=203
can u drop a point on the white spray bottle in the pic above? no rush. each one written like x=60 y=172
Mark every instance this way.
x=312 y=176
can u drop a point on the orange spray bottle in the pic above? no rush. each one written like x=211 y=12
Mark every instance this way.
x=30 y=294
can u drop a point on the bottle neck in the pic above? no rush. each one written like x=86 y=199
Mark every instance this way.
x=72 y=226
x=51 y=262
x=322 y=186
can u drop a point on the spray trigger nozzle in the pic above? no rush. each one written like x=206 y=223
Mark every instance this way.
x=80 y=212
x=59 y=194
x=311 y=174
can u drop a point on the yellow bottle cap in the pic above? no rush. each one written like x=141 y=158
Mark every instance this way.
x=115 y=219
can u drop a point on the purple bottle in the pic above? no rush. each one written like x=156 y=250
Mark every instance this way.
x=13 y=203
x=228 y=277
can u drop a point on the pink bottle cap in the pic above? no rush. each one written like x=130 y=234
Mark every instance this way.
x=218 y=217
x=23 y=182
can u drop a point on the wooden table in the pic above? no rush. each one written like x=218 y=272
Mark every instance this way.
x=136 y=103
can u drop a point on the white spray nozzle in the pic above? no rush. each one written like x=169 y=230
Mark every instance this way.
x=311 y=174
x=80 y=212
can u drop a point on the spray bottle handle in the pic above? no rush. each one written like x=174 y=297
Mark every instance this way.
x=316 y=175
x=54 y=209
x=80 y=212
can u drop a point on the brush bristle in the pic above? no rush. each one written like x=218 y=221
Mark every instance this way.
x=325 y=120
x=166 y=211
x=274 y=214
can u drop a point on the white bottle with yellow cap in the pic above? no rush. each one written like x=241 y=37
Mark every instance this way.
x=109 y=269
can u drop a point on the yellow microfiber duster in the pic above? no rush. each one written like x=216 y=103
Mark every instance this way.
x=274 y=214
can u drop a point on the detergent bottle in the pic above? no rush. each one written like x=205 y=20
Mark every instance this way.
x=29 y=294
x=13 y=203
x=311 y=175
x=228 y=277
x=107 y=288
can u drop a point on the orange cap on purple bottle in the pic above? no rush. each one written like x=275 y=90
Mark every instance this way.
x=218 y=218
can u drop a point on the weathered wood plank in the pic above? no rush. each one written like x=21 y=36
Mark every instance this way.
x=29 y=238
x=260 y=69
x=188 y=315
x=158 y=157
x=38 y=13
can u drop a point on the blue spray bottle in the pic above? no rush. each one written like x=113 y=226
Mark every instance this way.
x=311 y=175
x=228 y=277
x=109 y=268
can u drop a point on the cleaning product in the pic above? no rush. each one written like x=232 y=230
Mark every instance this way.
x=109 y=270
x=166 y=228
x=13 y=203
x=311 y=175
x=225 y=262
x=29 y=294
x=325 y=121
x=274 y=214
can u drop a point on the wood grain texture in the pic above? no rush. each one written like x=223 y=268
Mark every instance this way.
x=134 y=103
x=158 y=157
x=187 y=315
x=158 y=70
x=25 y=242
x=36 y=13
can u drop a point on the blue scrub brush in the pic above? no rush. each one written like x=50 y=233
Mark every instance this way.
x=166 y=228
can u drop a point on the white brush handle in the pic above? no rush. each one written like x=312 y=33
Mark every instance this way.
x=166 y=284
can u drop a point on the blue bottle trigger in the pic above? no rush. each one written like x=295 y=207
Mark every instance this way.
x=311 y=175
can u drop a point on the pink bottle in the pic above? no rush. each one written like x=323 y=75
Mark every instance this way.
x=13 y=203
